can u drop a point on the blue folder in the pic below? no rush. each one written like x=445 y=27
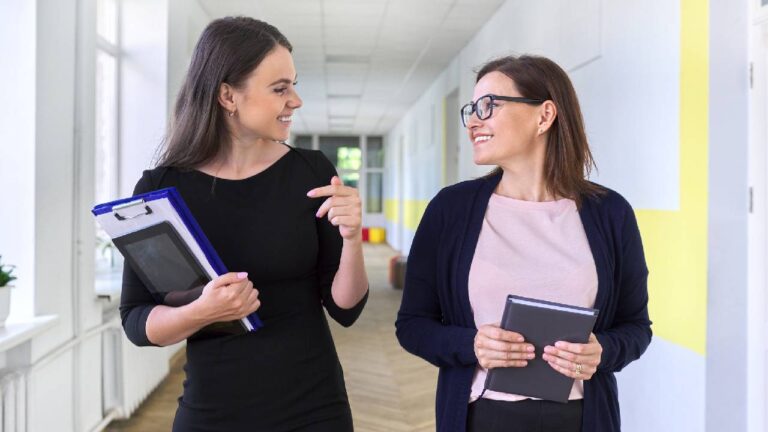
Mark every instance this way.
x=118 y=207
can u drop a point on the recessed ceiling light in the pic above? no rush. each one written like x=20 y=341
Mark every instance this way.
x=347 y=58
x=343 y=96
x=341 y=124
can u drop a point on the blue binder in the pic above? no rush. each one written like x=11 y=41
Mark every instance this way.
x=131 y=214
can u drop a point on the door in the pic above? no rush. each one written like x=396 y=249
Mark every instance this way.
x=451 y=126
x=757 y=309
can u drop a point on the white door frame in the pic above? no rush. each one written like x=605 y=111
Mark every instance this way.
x=757 y=222
x=451 y=138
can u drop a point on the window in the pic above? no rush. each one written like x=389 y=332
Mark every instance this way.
x=344 y=153
x=107 y=125
x=359 y=160
x=374 y=184
x=375 y=150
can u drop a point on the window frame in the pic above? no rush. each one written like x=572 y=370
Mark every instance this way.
x=363 y=172
x=104 y=250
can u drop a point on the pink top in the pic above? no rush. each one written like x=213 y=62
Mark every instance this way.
x=531 y=249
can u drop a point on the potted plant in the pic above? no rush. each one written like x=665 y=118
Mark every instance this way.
x=6 y=277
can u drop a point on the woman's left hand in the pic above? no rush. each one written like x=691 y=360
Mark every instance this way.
x=342 y=206
x=579 y=361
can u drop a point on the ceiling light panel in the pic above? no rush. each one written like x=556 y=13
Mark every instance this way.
x=346 y=70
x=344 y=79
x=354 y=35
x=343 y=106
x=343 y=12
x=288 y=8
x=357 y=59
x=416 y=13
x=341 y=123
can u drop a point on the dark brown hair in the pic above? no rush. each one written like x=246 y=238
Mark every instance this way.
x=228 y=51
x=568 y=160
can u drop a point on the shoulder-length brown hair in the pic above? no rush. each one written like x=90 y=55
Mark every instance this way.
x=568 y=160
x=228 y=51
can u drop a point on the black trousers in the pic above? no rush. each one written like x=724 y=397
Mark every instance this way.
x=487 y=415
x=186 y=423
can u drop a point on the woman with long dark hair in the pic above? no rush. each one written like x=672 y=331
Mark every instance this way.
x=534 y=227
x=281 y=219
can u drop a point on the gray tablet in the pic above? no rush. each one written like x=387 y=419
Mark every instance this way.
x=166 y=265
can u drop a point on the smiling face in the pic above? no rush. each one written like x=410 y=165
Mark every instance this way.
x=267 y=99
x=510 y=133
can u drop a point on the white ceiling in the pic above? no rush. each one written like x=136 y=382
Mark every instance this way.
x=363 y=63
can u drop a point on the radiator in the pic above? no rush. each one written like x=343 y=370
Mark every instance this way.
x=131 y=372
x=13 y=391
x=143 y=369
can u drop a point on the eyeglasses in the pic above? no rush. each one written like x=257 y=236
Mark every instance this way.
x=483 y=106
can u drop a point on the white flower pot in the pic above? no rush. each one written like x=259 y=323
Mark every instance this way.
x=5 y=303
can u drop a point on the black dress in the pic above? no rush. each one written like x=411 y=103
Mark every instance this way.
x=286 y=376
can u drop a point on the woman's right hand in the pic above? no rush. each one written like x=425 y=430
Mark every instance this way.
x=228 y=297
x=496 y=347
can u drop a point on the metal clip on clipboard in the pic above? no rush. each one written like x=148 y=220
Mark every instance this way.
x=118 y=216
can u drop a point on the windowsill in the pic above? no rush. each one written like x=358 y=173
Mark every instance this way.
x=108 y=283
x=15 y=333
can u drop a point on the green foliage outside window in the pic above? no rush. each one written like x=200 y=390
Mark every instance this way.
x=349 y=158
x=6 y=274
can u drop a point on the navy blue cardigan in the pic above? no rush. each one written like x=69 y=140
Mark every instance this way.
x=435 y=320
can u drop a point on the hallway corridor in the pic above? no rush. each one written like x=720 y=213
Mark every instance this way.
x=389 y=389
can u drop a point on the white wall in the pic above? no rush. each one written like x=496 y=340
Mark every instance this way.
x=414 y=151
x=156 y=62
x=729 y=406
x=144 y=86
x=54 y=289
x=186 y=22
x=54 y=169
x=17 y=146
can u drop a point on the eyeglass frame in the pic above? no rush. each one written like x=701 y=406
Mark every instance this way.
x=490 y=110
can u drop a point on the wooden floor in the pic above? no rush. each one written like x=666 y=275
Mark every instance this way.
x=389 y=389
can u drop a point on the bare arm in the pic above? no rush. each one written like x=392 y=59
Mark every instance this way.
x=344 y=210
x=351 y=281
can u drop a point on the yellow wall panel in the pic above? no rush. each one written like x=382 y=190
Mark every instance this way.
x=392 y=210
x=413 y=210
x=676 y=242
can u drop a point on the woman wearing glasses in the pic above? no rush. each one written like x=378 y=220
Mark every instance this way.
x=534 y=227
